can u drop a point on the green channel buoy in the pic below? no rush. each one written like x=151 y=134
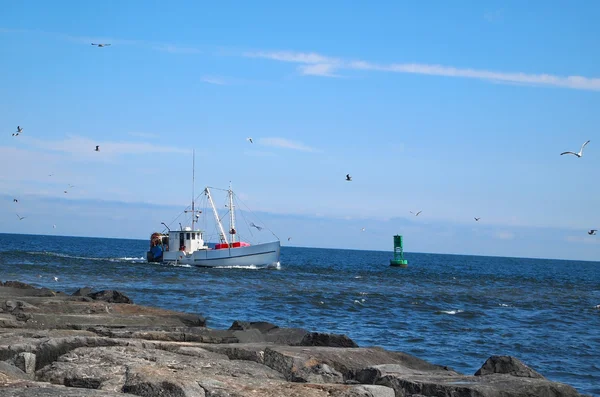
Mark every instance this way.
x=398 y=260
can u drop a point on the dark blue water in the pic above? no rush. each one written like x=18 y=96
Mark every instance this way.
x=448 y=309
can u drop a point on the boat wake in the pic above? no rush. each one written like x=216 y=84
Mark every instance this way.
x=129 y=259
x=175 y=264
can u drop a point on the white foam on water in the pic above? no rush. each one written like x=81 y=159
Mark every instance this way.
x=249 y=267
x=451 y=311
x=88 y=258
x=175 y=264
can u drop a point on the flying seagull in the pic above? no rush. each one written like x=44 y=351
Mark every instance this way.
x=289 y=238
x=348 y=177
x=417 y=214
x=101 y=45
x=362 y=230
x=259 y=228
x=592 y=232
x=21 y=217
x=15 y=200
x=55 y=278
x=580 y=151
x=477 y=219
x=249 y=139
x=97 y=148
x=19 y=130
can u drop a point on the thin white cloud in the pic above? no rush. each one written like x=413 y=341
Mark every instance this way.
x=286 y=144
x=213 y=80
x=319 y=69
x=316 y=64
x=82 y=146
x=292 y=56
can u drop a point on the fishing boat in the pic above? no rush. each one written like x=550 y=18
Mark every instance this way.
x=186 y=246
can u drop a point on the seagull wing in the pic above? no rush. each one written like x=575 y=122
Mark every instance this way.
x=419 y=212
x=582 y=146
x=106 y=45
x=575 y=154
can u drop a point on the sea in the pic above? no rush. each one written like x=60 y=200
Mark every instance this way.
x=453 y=310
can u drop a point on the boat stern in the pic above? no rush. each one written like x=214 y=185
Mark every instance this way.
x=159 y=243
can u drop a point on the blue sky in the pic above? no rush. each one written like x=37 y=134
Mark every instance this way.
x=458 y=110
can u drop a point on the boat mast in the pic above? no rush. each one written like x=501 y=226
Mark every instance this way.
x=193 y=181
x=212 y=204
x=232 y=230
x=193 y=211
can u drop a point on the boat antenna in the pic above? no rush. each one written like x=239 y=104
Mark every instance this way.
x=162 y=223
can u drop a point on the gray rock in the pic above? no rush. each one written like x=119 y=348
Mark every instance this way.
x=506 y=365
x=351 y=363
x=8 y=321
x=41 y=389
x=18 y=284
x=83 y=347
x=149 y=381
x=370 y=391
x=330 y=340
x=110 y=296
x=26 y=362
x=406 y=382
x=11 y=371
x=83 y=291
x=285 y=336
x=261 y=326
x=241 y=351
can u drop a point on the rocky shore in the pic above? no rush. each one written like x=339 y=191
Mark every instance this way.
x=99 y=343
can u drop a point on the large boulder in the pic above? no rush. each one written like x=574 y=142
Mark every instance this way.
x=262 y=326
x=506 y=365
x=18 y=285
x=110 y=296
x=329 y=340
x=85 y=291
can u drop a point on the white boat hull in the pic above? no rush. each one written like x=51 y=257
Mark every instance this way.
x=259 y=255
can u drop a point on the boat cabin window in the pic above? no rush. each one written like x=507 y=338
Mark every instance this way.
x=187 y=236
x=193 y=236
